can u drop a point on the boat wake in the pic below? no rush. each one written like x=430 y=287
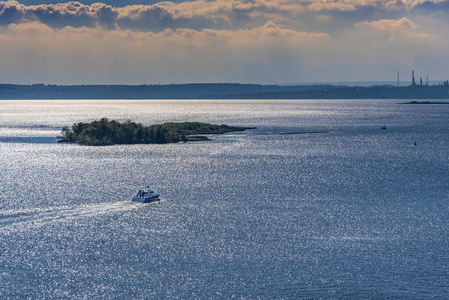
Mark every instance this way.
x=14 y=220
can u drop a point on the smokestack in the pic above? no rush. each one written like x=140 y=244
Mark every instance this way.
x=398 y=78
x=413 y=77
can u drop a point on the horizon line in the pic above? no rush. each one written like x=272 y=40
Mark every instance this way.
x=311 y=83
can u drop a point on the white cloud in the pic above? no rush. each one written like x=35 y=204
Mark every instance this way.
x=403 y=29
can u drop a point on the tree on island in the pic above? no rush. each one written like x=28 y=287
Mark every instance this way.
x=106 y=132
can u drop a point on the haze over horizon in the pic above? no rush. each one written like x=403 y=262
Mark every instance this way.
x=245 y=41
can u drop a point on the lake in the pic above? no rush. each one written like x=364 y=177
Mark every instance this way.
x=359 y=212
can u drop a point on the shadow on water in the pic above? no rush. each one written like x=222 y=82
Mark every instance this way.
x=29 y=140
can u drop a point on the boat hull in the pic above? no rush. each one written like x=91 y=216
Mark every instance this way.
x=146 y=199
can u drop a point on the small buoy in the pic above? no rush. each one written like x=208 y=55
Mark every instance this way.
x=414 y=143
x=384 y=127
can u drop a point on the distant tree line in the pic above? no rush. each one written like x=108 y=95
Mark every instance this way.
x=106 y=132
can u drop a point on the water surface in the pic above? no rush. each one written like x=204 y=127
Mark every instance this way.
x=359 y=212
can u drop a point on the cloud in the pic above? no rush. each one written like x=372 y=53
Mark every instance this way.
x=400 y=29
x=80 y=55
x=382 y=4
x=59 y=15
x=197 y=14
x=207 y=14
x=333 y=6
x=221 y=40
x=11 y=12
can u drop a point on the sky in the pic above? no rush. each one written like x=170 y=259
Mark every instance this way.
x=238 y=41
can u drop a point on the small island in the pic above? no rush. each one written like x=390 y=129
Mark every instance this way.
x=112 y=132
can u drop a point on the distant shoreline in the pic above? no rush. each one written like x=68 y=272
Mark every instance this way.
x=220 y=91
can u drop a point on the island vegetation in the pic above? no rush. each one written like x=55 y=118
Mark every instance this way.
x=110 y=132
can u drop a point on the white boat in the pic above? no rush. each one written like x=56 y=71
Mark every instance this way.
x=146 y=195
